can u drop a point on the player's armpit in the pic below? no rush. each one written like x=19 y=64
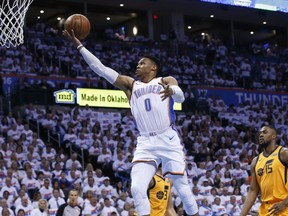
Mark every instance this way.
x=125 y=83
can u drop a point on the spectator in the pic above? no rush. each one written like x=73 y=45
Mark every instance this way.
x=56 y=173
x=8 y=199
x=31 y=183
x=46 y=190
x=55 y=201
x=239 y=174
x=125 y=210
x=225 y=198
x=207 y=177
x=70 y=161
x=91 y=186
x=22 y=193
x=6 y=212
x=64 y=183
x=36 y=198
x=99 y=179
x=108 y=188
x=210 y=199
x=123 y=198
x=198 y=197
x=49 y=153
x=8 y=187
x=25 y=206
x=108 y=209
x=89 y=167
x=21 y=212
x=42 y=209
x=233 y=208
x=94 y=209
x=205 y=188
x=218 y=208
x=205 y=209
x=87 y=197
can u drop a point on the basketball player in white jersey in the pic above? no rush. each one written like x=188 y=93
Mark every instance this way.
x=151 y=100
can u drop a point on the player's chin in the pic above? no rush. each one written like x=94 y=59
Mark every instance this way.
x=264 y=144
x=137 y=75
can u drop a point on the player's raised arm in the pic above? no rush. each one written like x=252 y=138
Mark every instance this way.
x=122 y=82
x=253 y=191
x=172 y=89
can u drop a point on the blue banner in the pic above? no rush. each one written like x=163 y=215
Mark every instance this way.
x=9 y=83
x=237 y=96
x=13 y=81
x=228 y=95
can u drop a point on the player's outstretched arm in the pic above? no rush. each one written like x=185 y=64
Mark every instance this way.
x=122 y=82
x=253 y=191
x=172 y=89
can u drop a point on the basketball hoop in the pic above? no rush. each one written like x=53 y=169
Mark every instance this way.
x=12 y=15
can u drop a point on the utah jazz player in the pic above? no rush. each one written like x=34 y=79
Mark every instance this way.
x=159 y=193
x=269 y=177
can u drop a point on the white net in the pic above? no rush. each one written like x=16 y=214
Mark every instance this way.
x=12 y=15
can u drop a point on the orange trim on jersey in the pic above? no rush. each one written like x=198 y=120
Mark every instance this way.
x=184 y=170
x=137 y=161
x=176 y=173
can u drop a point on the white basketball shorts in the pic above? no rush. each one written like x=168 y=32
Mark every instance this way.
x=165 y=148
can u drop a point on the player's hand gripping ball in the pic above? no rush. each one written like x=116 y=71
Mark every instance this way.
x=80 y=25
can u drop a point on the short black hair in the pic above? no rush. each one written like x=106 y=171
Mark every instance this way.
x=271 y=128
x=155 y=60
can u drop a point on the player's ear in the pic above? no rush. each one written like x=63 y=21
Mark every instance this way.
x=154 y=67
x=274 y=136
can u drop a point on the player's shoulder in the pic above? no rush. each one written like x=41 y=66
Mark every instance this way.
x=284 y=149
x=284 y=154
x=166 y=78
x=169 y=77
x=169 y=80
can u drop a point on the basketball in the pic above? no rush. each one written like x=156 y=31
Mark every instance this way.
x=80 y=24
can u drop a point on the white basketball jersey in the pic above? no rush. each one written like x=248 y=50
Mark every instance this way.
x=150 y=112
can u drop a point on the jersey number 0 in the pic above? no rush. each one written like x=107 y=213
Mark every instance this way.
x=147 y=103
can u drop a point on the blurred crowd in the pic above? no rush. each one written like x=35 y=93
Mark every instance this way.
x=198 y=61
x=95 y=148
